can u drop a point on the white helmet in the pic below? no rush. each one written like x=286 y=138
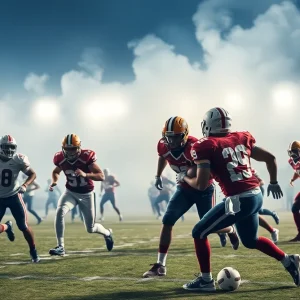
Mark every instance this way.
x=106 y=171
x=216 y=120
x=8 y=146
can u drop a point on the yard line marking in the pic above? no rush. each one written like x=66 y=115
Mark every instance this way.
x=140 y=280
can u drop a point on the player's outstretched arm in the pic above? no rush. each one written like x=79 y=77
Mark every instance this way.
x=200 y=182
x=261 y=154
x=96 y=173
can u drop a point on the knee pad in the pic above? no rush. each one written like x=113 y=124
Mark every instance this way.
x=295 y=207
x=250 y=244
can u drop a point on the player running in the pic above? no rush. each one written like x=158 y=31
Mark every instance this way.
x=108 y=185
x=294 y=161
x=226 y=155
x=81 y=169
x=11 y=163
x=174 y=148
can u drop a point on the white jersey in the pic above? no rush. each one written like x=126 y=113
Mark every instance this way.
x=9 y=171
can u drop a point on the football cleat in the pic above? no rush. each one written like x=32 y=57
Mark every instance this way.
x=109 y=241
x=275 y=217
x=223 y=239
x=234 y=239
x=296 y=238
x=58 y=250
x=34 y=256
x=156 y=270
x=10 y=233
x=199 y=284
x=294 y=268
x=120 y=218
x=39 y=221
x=275 y=236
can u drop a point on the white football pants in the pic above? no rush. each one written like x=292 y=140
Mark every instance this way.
x=86 y=202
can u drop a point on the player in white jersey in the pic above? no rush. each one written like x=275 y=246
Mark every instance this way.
x=11 y=163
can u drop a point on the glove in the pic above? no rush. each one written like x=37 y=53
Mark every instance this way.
x=158 y=183
x=22 y=189
x=52 y=185
x=275 y=189
x=180 y=177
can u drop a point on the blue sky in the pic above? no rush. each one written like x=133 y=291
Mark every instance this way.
x=50 y=36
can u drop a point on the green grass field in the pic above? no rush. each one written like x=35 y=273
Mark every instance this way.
x=90 y=272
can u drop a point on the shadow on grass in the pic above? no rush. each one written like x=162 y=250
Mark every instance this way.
x=174 y=293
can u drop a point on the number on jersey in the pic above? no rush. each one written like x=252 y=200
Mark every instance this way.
x=6 y=177
x=237 y=159
x=74 y=180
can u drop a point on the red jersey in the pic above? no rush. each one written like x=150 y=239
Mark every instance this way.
x=178 y=160
x=75 y=183
x=295 y=166
x=229 y=158
x=108 y=184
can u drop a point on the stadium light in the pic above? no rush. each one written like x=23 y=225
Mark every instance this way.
x=46 y=110
x=283 y=96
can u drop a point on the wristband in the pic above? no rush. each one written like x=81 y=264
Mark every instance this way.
x=273 y=182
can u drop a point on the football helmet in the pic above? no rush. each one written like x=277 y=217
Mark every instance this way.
x=216 y=120
x=8 y=146
x=71 y=146
x=175 y=132
x=294 y=151
x=106 y=172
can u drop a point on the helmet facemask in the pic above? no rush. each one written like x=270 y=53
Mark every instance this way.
x=8 y=150
x=174 y=140
x=71 y=153
x=294 y=155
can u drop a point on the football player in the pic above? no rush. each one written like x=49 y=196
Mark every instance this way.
x=28 y=199
x=174 y=148
x=226 y=155
x=294 y=161
x=164 y=194
x=265 y=211
x=52 y=197
x=152 y=194
x=11 y=163
x=81 y=169
x=108 y=185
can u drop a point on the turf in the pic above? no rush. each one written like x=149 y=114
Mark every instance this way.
x=90 y=272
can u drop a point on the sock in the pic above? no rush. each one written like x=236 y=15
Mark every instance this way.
x=206 y=277
x=162 y=254
x=268 y=247
x=286 y=261
x=296 y=216
x=98 y=228
x=202 y=248
x=3 y=227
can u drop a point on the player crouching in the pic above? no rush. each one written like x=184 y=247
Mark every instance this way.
x=81 y=170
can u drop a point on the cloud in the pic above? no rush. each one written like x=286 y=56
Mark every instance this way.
x=35 y=83
x=251 y=71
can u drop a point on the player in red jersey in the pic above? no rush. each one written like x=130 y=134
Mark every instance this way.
x=108 y=185
x=174 y=148
x=81 y=169
x=226 y=155
x=294 y=161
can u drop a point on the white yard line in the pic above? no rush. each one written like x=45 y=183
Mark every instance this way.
x=139 y=280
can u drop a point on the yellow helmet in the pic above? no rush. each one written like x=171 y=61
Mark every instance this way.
x=71 y=146
x=294 y=150
x=175 y=132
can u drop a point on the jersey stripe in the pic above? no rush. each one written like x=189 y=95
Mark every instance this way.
x=220 y=110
